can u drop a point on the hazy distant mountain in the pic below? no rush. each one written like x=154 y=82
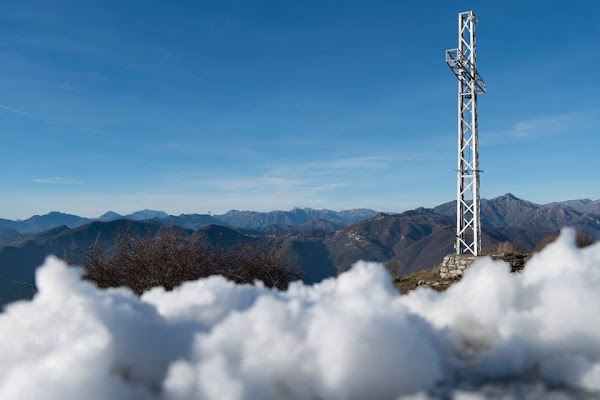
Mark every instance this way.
x=574 y=204
x=39 y=223
x=220 y=237
x=190 y=221
x=297 y=216
x=355 y=215
x=592 y=207
x=506 y=210
x=9 y=224
x=258 y=220
x=135 y=216
x=8 y=232
x=313 y=224
x=147 y=214
x=110 y=216
x=583 y=205
x=37 y=237
x=316 y=223
x=296 y=219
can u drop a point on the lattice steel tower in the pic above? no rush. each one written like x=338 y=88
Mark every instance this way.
x=462 y=62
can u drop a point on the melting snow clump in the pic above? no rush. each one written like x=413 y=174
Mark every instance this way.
x=493 y=334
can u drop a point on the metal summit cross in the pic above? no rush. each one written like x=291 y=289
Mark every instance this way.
x=462 y=62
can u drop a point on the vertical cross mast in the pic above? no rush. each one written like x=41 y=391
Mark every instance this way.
x=462 y=61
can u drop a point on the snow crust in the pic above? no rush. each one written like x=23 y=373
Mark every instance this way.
x=531 y=335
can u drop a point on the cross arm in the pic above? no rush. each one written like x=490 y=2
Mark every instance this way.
x=464 y=69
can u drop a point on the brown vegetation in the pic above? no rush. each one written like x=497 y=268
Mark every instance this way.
x=503 y=248
x=583 y=240
x=428 y=277
x=168 y=260
x=393 y=266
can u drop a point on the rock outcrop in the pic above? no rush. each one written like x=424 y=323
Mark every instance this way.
x=454 y=265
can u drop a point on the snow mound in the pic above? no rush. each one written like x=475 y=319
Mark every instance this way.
x=535 y=334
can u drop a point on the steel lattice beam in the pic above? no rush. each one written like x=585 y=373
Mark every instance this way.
x=462 y=62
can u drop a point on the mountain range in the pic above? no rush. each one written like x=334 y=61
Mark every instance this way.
x=321 y=242
x=296 y=219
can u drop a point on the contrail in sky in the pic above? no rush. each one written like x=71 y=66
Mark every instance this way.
x=47 y=121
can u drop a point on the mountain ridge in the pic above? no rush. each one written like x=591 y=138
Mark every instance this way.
x=504 y=210
x=417 y=239
x=297 y=217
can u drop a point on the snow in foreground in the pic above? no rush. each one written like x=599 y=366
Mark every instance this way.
x=535 y=334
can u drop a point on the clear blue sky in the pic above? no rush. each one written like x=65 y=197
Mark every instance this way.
x=261 y=105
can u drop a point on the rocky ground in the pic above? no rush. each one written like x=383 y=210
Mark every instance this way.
x=432 y=278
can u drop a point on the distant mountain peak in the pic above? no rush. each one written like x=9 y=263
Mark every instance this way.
x=507 y=196
x=148 y=211
x=511 y=198
x=109 y=216
x=418 y=210
x=577 y=201
x=147 y=214
x=581 y=205
x=56 y=214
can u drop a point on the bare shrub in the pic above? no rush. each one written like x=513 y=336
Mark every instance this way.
x=393 y=266
x=248 y=262
x=582 y=240
x=504 y=248
x=168 y=259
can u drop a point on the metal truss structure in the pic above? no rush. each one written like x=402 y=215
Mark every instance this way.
x=462 y=62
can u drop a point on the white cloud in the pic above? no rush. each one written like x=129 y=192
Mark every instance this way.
x=538 y=127
x=299 y=182
x=333 y=167
x=542 y=126
x=352 y=337
x=58 y=180
x=345 y=163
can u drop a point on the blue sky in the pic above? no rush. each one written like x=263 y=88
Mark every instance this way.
x=261 y=105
